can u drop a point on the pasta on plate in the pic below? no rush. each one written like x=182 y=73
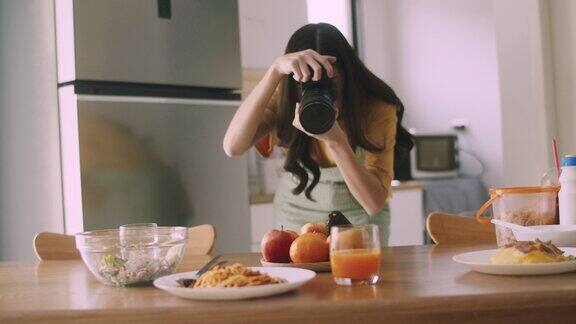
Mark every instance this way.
x=235 y=275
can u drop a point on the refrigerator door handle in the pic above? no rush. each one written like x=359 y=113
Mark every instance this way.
x=158 y=100
x=164 y=9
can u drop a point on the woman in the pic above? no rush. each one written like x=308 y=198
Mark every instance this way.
x=350 y=167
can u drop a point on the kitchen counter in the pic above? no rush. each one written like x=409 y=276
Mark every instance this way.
x=419 y=284
x=256 y=199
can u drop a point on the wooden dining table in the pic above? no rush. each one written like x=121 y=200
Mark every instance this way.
x=418 y=284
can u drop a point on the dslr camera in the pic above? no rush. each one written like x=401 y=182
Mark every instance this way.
x=317 y=114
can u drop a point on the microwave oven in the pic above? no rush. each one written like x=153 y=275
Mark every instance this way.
x=434 y=156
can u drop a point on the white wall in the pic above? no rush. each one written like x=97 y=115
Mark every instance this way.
x=527 y=103
x=30 y=183
x=440 y=57
x=563 y=32
x=266 y=26
x=488 y=62
x=335 y=12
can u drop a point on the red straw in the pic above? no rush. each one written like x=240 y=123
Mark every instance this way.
x=556 y=159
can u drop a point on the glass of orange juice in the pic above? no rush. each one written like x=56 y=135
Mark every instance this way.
x=355 y=254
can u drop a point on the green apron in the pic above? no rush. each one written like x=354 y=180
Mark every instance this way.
x=331 y=193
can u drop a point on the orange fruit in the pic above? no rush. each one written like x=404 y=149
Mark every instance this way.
x=309 y=247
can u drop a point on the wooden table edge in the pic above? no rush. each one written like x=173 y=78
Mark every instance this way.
x=517 y=305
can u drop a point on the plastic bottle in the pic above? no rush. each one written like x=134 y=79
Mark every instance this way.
x=567 y=194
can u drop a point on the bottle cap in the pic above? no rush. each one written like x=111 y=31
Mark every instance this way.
x=569 y=160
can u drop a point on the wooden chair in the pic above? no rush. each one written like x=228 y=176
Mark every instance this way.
x=54 y=246
x=455 y=229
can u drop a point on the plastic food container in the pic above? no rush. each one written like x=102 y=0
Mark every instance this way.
x=560 y=235
x=528 y=206
x=132 y=254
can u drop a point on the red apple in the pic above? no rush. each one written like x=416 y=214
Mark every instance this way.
x=318 y=227
x=276 y=246
x=293 y=233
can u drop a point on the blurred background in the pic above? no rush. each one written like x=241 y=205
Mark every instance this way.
x=113 y=112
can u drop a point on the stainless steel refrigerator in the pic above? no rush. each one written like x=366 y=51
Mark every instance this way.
x=146 y=90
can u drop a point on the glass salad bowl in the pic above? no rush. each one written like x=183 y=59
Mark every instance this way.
x=132 y=254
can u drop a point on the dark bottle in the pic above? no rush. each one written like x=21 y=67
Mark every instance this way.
x=336 y=218
x=317 y=114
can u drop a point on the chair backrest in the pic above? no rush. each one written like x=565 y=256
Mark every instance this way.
x=456 y=229
x=54 y=246
x=201 y=240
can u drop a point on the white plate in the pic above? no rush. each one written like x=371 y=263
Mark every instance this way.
x=316 y=266
x=295 y=278
x=480 y=261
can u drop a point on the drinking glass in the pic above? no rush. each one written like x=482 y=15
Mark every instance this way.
x=135 y=240
x=355 y=254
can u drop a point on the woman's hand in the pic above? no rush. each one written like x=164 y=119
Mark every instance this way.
x=333 y=136
x=299 y=63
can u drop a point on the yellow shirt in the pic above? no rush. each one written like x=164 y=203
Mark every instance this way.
x=381 y=132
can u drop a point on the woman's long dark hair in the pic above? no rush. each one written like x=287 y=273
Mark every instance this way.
x=359 y=89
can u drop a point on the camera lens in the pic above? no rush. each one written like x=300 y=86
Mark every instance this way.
x=317 y=114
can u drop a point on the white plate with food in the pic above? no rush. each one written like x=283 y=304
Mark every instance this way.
x=522 y=258
x=235 y=282
x=314 y=266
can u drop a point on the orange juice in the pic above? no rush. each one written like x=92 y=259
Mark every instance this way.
x=356 y=264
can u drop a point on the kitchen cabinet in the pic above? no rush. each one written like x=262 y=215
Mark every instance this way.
x=406 y=211
x=262 y=220
x=407 y=215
